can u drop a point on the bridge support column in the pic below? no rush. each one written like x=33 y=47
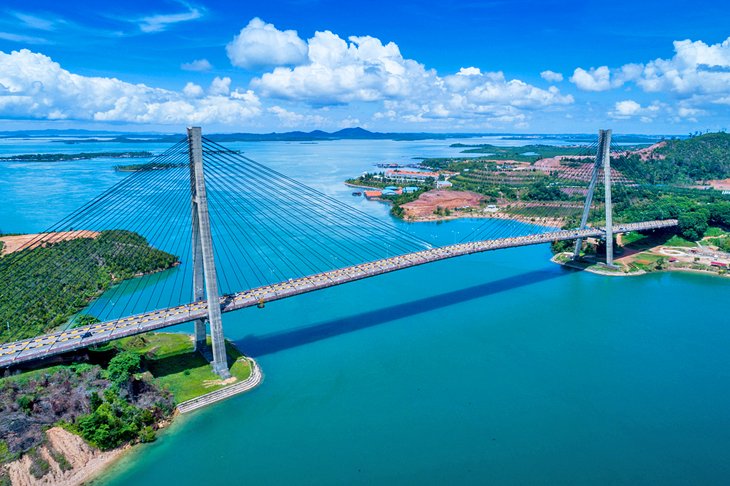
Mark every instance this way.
x=602 y=148
x=203 y=260
x=198 y=271
x=609 y=204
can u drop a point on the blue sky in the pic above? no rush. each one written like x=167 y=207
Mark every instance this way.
x=478 y=66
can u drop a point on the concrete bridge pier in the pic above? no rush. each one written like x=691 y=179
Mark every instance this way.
x=204 y=271
x=603 y=159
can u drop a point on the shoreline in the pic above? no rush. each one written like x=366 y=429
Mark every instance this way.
x=496 y=215
x=620 y=273
x=72 y=461
x=358 y=186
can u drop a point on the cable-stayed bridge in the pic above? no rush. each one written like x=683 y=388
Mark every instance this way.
x=246 y=235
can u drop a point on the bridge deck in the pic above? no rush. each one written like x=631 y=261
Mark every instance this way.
x=81 y=337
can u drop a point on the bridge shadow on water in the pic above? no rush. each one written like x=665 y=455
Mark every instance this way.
x=254 y=345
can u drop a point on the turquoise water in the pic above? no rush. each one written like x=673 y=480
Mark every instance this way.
x=493 y=368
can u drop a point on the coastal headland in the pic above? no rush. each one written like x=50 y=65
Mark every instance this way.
x=165 y=377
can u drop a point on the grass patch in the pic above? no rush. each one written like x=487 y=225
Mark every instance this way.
x=647 y=258
x=679 y=241
x=175 y=366
x=632 y=238
x=24 y=376
x=5 y=454
x=715 y=231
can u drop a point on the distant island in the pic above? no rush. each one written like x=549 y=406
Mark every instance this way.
x=77 y=156
x=355 y=133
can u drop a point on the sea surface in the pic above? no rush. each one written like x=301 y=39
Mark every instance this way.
x=498 y=368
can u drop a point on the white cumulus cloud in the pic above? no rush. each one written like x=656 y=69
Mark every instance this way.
x=697 y=76
x=192 y=90
x=33 y=86
x=199 y=65
x=363 y=69
x=340 y=72
x=220 y=86
x=260 y=44
x=626 y=109
x=595 y=79
x=551 y=76
x=695 y=68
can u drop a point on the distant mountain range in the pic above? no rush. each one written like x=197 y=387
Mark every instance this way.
x=357 y=133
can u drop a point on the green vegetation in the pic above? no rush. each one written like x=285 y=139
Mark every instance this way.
x=37 y=289
x=526 y=153
x=439 y=211
x=82 y=399
x=60 y=459
x=5 y=454
x=120 y=401
x=723 y=244
x=679 y=241
x=539 y=212
x=695 y=214
x=698 y=158
x=378 y=180
x=79 y=156
x=114 y=421
x=122 y=366
x=147 y=167
x=648 y=262
x=542 y=191
x=39 y=467
x=174 y=365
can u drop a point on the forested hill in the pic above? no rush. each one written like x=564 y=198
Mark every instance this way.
x=699 y=158
x=35 y=297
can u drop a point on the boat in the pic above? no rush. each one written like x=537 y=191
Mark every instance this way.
x=357 y=193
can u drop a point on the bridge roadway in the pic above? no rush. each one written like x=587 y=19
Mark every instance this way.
x=63 y=341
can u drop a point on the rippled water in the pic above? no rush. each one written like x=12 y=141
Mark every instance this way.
x=492 y=368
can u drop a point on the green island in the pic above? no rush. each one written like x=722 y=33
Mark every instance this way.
x=525 y=153
x=111 y=257
x=147 y=167
x=77 y=156
x=118 y=394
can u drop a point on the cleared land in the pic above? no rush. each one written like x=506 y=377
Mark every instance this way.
x=428 y=203
x=34 y=240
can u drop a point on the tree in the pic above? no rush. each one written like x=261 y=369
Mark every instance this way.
x=122 y=366
x=540 y=191
x=693 y=224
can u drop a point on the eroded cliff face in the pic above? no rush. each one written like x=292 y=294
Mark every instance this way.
x=68 y=461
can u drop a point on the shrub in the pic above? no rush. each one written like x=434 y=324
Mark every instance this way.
x=122 y=366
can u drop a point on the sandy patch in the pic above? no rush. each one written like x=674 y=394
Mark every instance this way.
x=429 y=201
x=34 y=240
x=720 y=184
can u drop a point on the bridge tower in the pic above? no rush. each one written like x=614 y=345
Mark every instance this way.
x=205 y=279
x=603 y=159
